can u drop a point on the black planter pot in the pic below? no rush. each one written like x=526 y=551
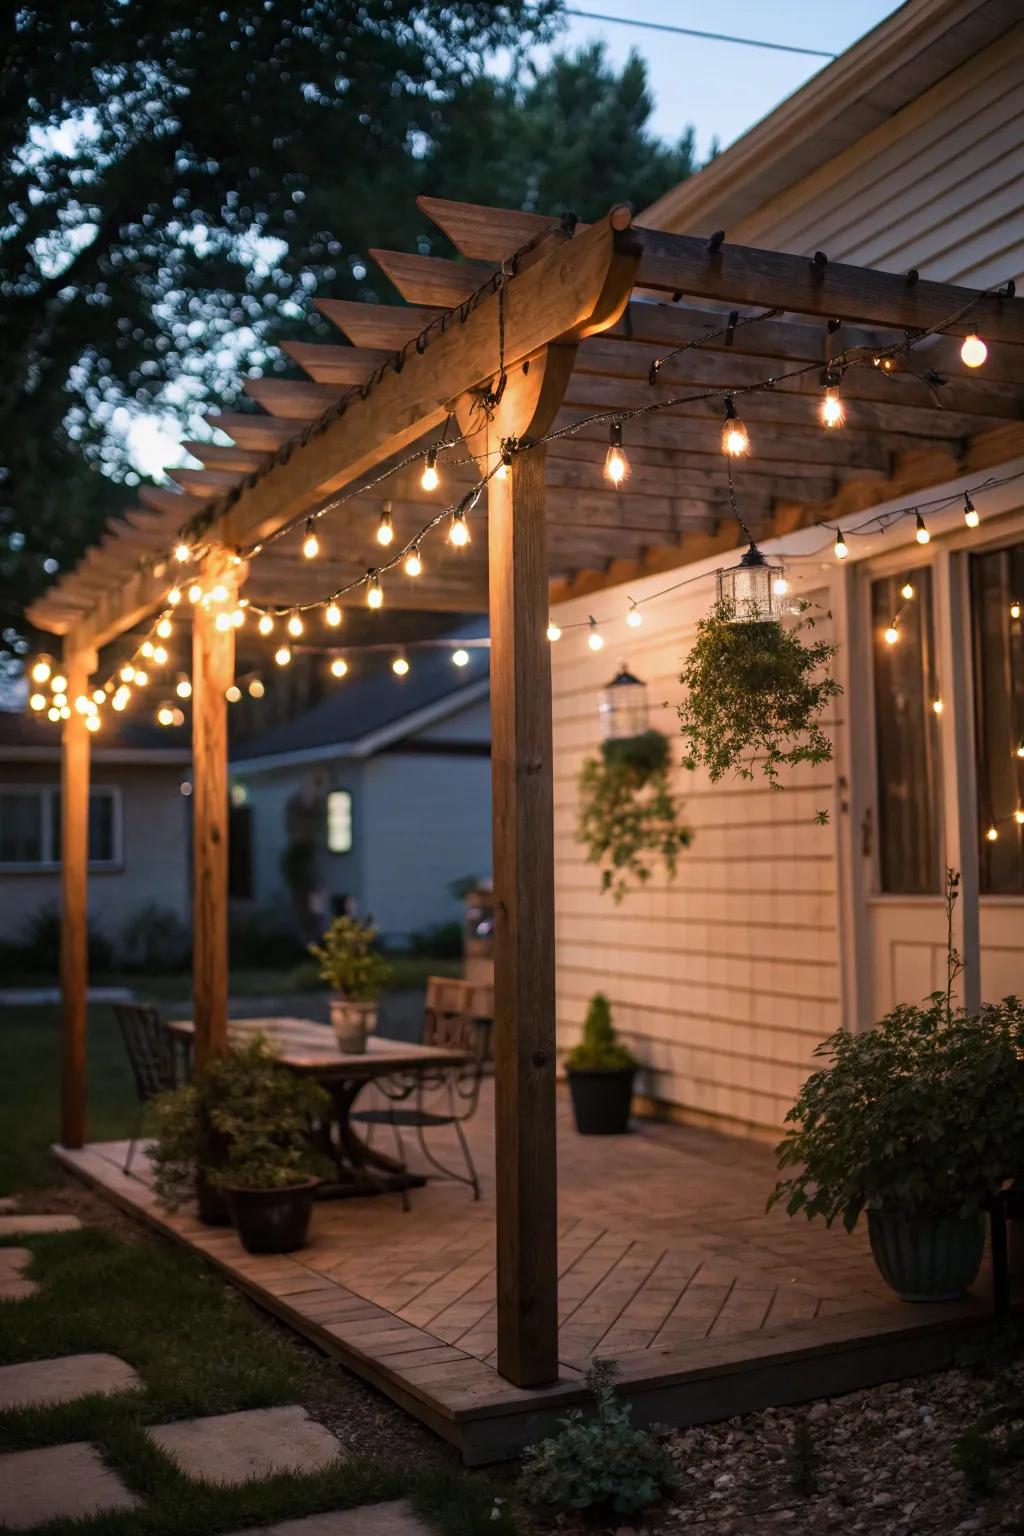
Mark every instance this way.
x=272 y=1220
x=926 y=1258
x=601 y=1100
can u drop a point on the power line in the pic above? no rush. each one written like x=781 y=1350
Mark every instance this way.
x=715 y=37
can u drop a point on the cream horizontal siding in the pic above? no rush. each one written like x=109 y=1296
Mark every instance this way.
x=724 y=980
x=938 y=186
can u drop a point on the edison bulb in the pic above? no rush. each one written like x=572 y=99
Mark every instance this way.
x=1015 y=610
x=1018 y=817
x=430 y=479
x=385 y=528
x=160 y=655
x=400 y=666
x=458 y=533
x=780 y=586
x=146 y=649
x=974 y=351
x=833 y=413
x=634 y=618
x=374 y=595
x=141 y=678
x=907 y=591
x=53 y=713
x=182 y=553
x=413 y=563
x=892 y=635
x=232 y=693
x=339 y=666
x=165 y=715
x=59 y=683
x=92 y=722
x=282 y=655
x=41 y=670
x=595 y=640
x=195 y=593
x=971 y=515
x=223 y=622
x=332 y=615
x=735 y=439
x=310 y=545
x=992 y=835
x=922 y=535
x=266 y=624
x=460 y=657
x=616 y=465
x=174 y=596
x=256 y=688
x=37 y=701
x=554 y=633
x=183 y=688
x=295 y=625
x=937 y=706
x=841 y=550
x=219 y=593
x=164 y=629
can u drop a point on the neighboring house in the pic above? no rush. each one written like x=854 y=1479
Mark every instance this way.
x=375 y=802
x=908 y=151
x=139 y=825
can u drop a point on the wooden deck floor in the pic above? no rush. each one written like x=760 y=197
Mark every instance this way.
x=667 y=1260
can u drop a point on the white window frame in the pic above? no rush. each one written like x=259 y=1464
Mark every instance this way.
x=50 y=862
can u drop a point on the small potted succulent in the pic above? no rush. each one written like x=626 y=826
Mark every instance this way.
x=356 y=974
x=261 y=1116
x=600 y=1071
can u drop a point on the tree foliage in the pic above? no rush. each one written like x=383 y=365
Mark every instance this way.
x=181 y=181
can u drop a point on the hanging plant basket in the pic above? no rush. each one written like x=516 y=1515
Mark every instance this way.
x=755 y=695
x=629 y=820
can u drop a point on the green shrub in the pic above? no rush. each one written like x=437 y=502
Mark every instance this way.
x=40 y=944
x=600 y=1049
x=628 y=817
x=156 y=941
x=349 y=963
x=261 y=941
x=601 y=1464
x=441 y=940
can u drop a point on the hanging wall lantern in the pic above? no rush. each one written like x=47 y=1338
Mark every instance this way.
x=754 y=590
x=623 y=706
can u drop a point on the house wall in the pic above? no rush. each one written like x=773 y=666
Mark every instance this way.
x=938 y=186
x=268 y=796
x=155 y=851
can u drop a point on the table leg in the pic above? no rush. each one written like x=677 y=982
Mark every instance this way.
x=361 y=1169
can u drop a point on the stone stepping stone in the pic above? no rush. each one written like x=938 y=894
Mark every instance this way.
x=42 y=1383
x=233 y=1447
x=15 y=1225
x=13 y=1285
x=8 y=1203
x=58 y=1482
x=398 y=1519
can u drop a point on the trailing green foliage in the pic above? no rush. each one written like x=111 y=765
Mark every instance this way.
x=348 y=961
x=628 y=816
x=755 y=694
x=260 y=1116
x=600 y=1049
x=922 y=1115
x=601 y=1464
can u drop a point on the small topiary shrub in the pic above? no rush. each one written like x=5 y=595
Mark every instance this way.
x=600 y=1049
x=601 y=1464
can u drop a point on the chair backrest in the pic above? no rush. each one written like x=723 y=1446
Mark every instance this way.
x=149 y=1046
x=459 y=1015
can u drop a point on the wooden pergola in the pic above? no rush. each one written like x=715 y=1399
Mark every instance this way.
x=585 y=312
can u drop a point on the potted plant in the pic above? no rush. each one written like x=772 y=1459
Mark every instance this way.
x=356 y=974
x=261 y=1115
x=919 y=1121
x=600 y=1071
x=628 y=815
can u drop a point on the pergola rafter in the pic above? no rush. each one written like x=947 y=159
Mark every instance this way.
x=568 y=321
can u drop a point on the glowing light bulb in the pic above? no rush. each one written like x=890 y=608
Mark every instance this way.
x=310 y=544
x=595 y=639
x=141 y=678
x=616 y=465
x=460 y=657
x=174 y=596
x=937 y=706
x=222 y=622
x=165 y=629
x=339 y=666
x=833 y=413
x=120 y=699
x=892 y=635
x=1018 y=816
x=922 y=535
x=413 y=564
x=183 y=688
x=501 y=473
x=735 y=441
x=146 y=649
x=400 y=666
x=374 y=595
x=256 y=688
x=992 y=835
x=266 y=624
x=282 y=655
x=93 y=722
x=295 y=626
x=83 y=704
x=59 y=683
x=60 y=699
x=160 y=655
x=165 y=715
x=195 y=593
x=41 y=670
x=907 y=591
x=232 y=693
x=1020 y=750
x=554 y=633
x=182 y=553
x=37 y=701
x=840 y=550
x=219 y=593
x=430 y=479
x=332 y=615
x=780 y=586
x=1015 y=610
x=65 y=712
x=458 y=533
x=386 y=527
x=971 y=517
x=634 y=618
x=974 y=351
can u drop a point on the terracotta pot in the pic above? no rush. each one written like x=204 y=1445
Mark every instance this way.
x=351 y=1023
x=926 y=1258
x=272 y=1220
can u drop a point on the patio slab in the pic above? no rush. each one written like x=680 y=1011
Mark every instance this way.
x=42 y=1383
x=13 y=1285
x=15 y=1225
x=69 y=1482
x=397 y=1519
x=232 y=1447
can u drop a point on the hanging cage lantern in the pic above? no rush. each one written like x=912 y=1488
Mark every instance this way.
x=754 y=589
x=623 y=706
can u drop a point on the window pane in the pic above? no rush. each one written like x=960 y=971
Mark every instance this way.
x=906 y=729
x=997 y=586
x=102 y=845
x=339 y=821
x=21 y=827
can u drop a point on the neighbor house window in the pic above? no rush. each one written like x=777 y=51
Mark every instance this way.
x=906 y=733
x=30 y=828
x=997 y=594
x=339 y=821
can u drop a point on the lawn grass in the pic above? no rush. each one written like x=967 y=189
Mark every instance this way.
x=199 y=1350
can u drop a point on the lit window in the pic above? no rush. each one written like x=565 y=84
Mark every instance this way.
x=997 y=581
x=339 y=821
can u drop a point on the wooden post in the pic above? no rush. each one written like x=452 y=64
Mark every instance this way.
x=959 y=774
x=74 y=877
x=213 y=662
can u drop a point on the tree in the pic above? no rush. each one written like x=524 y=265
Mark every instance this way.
x=182 y=179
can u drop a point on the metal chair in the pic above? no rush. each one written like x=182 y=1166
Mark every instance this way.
x=153 y=1056
x=458 y=1016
